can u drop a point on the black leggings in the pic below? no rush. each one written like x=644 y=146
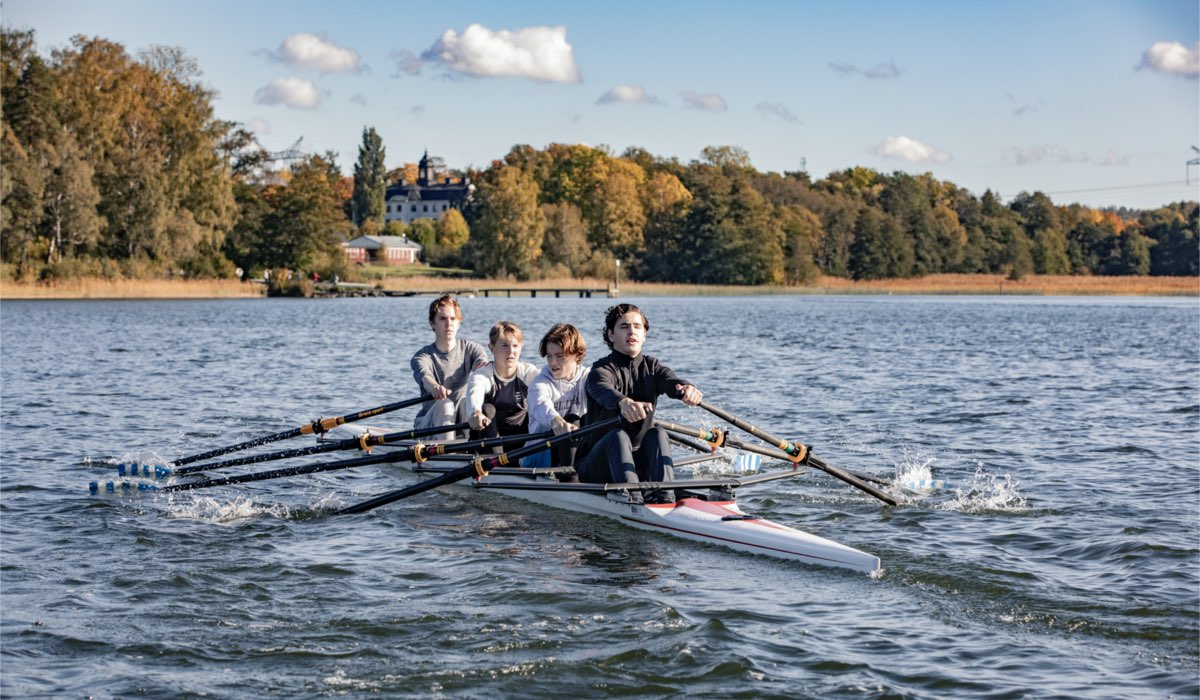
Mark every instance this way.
x=613 y=459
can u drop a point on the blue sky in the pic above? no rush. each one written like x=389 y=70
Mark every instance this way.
x=1090 y=101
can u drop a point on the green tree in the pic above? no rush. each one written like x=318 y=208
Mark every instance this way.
x=733 y=157
x=1175 y=231
x=73 y=226
x=305 y=226
x=423 y=231
x=802 y=237
x=1132 y=255
x=1018 y=259
x=452 y=232
x=668 y=203
x=1050 y=253
x=370 y=180
x=880 y=249
x=565 y=246
x=22 y=191
x=507 y=230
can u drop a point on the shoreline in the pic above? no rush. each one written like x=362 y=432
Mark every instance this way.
x=945 y=284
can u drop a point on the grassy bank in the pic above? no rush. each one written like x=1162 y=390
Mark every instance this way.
x=91 y=288
x=96 y=288
x=933 y=284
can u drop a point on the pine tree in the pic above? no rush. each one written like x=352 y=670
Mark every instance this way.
x=370 y=180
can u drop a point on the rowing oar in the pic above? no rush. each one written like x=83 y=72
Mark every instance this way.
x=364 y=442
x=714 y=439
x=319 y=425
x=478 y=468
x=797 y=451
x=415 y=453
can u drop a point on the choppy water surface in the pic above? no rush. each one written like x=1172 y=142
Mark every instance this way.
x=1064 y=561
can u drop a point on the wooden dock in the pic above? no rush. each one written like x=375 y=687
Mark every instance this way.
x=353 y=289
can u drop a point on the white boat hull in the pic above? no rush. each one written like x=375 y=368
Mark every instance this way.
x=720 y=523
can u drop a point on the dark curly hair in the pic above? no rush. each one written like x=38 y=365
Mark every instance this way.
x=615 y=312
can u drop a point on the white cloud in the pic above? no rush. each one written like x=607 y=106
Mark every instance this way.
x=882 y=71
x=628 y=93
x=316 y=52
x=359 y=99
x=1111 y=158
x=1173 y=58
x=1029 y=155
x=775 y=109
x=293 y=92
x=911 y=150
x=707 y=102
x=541 y=54
x=260 y=126
x=406 y=62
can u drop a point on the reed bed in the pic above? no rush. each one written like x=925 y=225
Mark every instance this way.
x=97 y=288
x=1044 y=285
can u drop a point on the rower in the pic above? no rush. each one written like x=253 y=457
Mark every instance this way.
x=628 y=383
x=442 y=367
x=557 y=395
x=502 y=385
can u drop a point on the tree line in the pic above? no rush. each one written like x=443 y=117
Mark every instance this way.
x=115 y=165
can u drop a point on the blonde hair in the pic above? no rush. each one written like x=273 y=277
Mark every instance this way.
x=503 y=328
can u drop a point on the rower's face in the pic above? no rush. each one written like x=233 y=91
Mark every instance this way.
x=506 y=351
x=629 y=333
x=445 y=324
x=562 y=365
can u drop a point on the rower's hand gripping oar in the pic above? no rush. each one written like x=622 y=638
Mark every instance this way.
x=797 y=452
x=319 y=425
x=478 y=468
x=363 y=442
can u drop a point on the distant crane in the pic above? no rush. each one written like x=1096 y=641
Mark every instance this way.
x=1190 y=163
x=289 y=154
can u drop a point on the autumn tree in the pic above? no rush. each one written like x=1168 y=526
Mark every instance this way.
x=565 y=246
x=508 y=225
x=70 y=201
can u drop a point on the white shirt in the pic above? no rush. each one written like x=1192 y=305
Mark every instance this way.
x=551 y=398
x=481 y=381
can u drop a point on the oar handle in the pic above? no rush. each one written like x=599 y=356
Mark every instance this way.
x=320 y=425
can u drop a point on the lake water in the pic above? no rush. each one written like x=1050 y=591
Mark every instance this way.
x=1063 y=560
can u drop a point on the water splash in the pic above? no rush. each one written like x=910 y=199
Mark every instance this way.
x=988 y=492
x=915 y=473
x=220 y=512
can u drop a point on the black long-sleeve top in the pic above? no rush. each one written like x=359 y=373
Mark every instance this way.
x=617 y=376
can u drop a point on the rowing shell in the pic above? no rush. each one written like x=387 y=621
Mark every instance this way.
x=718 y=521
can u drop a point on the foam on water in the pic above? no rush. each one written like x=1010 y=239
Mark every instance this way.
x=988 y=493
x=223 y=511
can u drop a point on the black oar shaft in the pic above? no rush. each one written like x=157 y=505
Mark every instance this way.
x=479 y=467
x=401 y=456
x=793 y=449
x=347 y=444
x=317 y=426
x=414 y=453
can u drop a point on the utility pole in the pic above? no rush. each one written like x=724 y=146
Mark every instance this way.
x=1190 y=163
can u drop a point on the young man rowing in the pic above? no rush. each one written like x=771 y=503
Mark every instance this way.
x=442 y=367
x=503 y=385
x=628 y=383
x=557 y=396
